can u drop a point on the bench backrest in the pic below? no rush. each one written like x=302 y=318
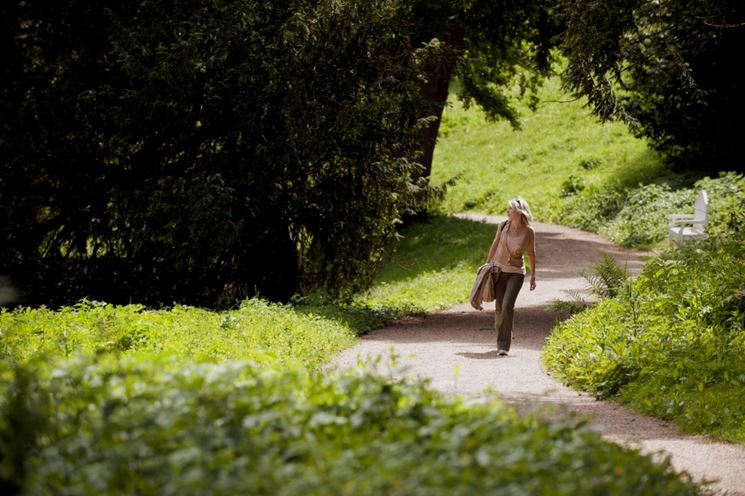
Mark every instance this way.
x=701 y=208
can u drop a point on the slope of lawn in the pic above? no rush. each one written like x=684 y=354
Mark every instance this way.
x=559 y=149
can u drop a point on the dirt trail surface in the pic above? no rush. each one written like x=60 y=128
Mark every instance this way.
x=456 y=350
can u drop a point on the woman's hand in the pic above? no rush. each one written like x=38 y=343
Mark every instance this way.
x=532 y=283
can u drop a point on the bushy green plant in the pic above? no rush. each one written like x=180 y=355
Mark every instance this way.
x=672 y=345
x=589 y=164
x=166 y=426
x=636 y=216
x=572 y=186
x=605 y=279
x=593 y=208
x=260 y=331
x=727 y=202
x=642 y=219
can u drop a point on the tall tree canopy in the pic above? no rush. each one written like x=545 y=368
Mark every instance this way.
x=201 y=151
x=669 y=68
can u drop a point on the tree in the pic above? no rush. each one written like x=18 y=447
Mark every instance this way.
x=202 y=151
x=668 y=68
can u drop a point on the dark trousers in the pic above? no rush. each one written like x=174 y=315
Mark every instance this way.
x=506 y=288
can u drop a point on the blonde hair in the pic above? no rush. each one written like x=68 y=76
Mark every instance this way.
x=521 y=206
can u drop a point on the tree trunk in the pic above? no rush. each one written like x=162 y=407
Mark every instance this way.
x=435 y=92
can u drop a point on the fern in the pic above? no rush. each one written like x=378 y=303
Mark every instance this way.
x=607 y=279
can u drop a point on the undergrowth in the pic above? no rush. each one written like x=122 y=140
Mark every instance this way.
x=257 y=330
x=636 y=216
x=168 y=426
x=671 y=344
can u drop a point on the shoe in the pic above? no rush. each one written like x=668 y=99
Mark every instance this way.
x=502 y=352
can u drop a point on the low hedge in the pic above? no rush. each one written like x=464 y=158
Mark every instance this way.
x=134 y=424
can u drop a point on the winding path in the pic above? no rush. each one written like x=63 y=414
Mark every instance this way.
x=456 y=350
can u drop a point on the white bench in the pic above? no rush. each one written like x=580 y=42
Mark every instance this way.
x=690 y=226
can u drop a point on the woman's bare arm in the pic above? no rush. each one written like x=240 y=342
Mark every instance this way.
x=493 y=248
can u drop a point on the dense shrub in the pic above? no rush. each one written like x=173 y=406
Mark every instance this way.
x=672 y=343
x=593 y=208
x=727 y=196
x=202 y=152
x=668 y=69
x=637 y=216
x=572 y=186
x=642 y=219
x=165 y=427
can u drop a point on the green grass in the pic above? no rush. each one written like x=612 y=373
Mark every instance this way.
x=432 y=266
x=561 y=139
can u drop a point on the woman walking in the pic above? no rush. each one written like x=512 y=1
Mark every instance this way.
x=514 y=238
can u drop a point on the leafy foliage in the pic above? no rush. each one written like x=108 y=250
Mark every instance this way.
x=673 y=345
x=605 y=279
x=595 y=207
x=163 y=426
x=159 y=152
x=572 y=185
x=642 y=219
x=504 y=44
x=488 y=48
x=258 y=331
x=667 y=68
x=636 y=216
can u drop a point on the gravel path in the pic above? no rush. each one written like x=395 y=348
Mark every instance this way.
x=456 y=350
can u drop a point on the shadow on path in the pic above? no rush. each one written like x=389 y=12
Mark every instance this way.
x=462 y=325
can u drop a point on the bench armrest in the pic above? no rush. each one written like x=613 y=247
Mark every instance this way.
x=683 y=220
x=680 y=216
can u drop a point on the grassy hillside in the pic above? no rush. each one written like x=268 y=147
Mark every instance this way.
x=432 y=267
x=560 y=146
